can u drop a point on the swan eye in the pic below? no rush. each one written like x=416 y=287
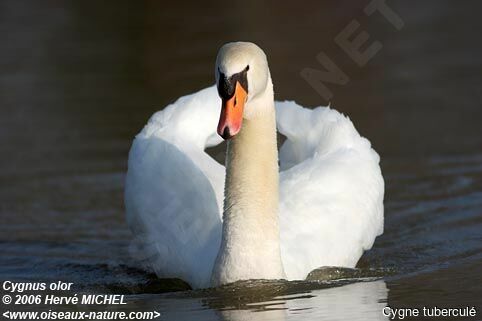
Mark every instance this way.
x=226 y=86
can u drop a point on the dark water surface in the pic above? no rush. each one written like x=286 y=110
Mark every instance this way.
x=79 y=79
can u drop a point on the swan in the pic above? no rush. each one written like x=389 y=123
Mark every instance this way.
x=321 y=206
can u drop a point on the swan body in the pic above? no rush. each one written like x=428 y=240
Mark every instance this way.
x=322 y=207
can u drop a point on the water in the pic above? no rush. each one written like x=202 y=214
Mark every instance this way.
x=79 y=79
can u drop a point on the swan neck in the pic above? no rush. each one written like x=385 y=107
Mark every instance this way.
x=250 y=247
x=251 y=187
x=252 y=169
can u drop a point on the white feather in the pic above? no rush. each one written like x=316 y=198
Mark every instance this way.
x=331 y=190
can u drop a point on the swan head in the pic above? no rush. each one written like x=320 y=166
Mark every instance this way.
x=242 y=76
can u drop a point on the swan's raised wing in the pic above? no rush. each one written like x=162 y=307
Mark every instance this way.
x=331 y=190
x=174 y=190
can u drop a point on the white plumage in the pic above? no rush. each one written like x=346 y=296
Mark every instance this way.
x=330 y=193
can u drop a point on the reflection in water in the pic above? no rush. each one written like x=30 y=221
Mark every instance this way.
x=357 y=301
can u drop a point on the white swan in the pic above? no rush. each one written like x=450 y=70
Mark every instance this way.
x=324 y=208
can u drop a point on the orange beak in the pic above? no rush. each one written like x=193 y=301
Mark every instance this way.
x=232 y=113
